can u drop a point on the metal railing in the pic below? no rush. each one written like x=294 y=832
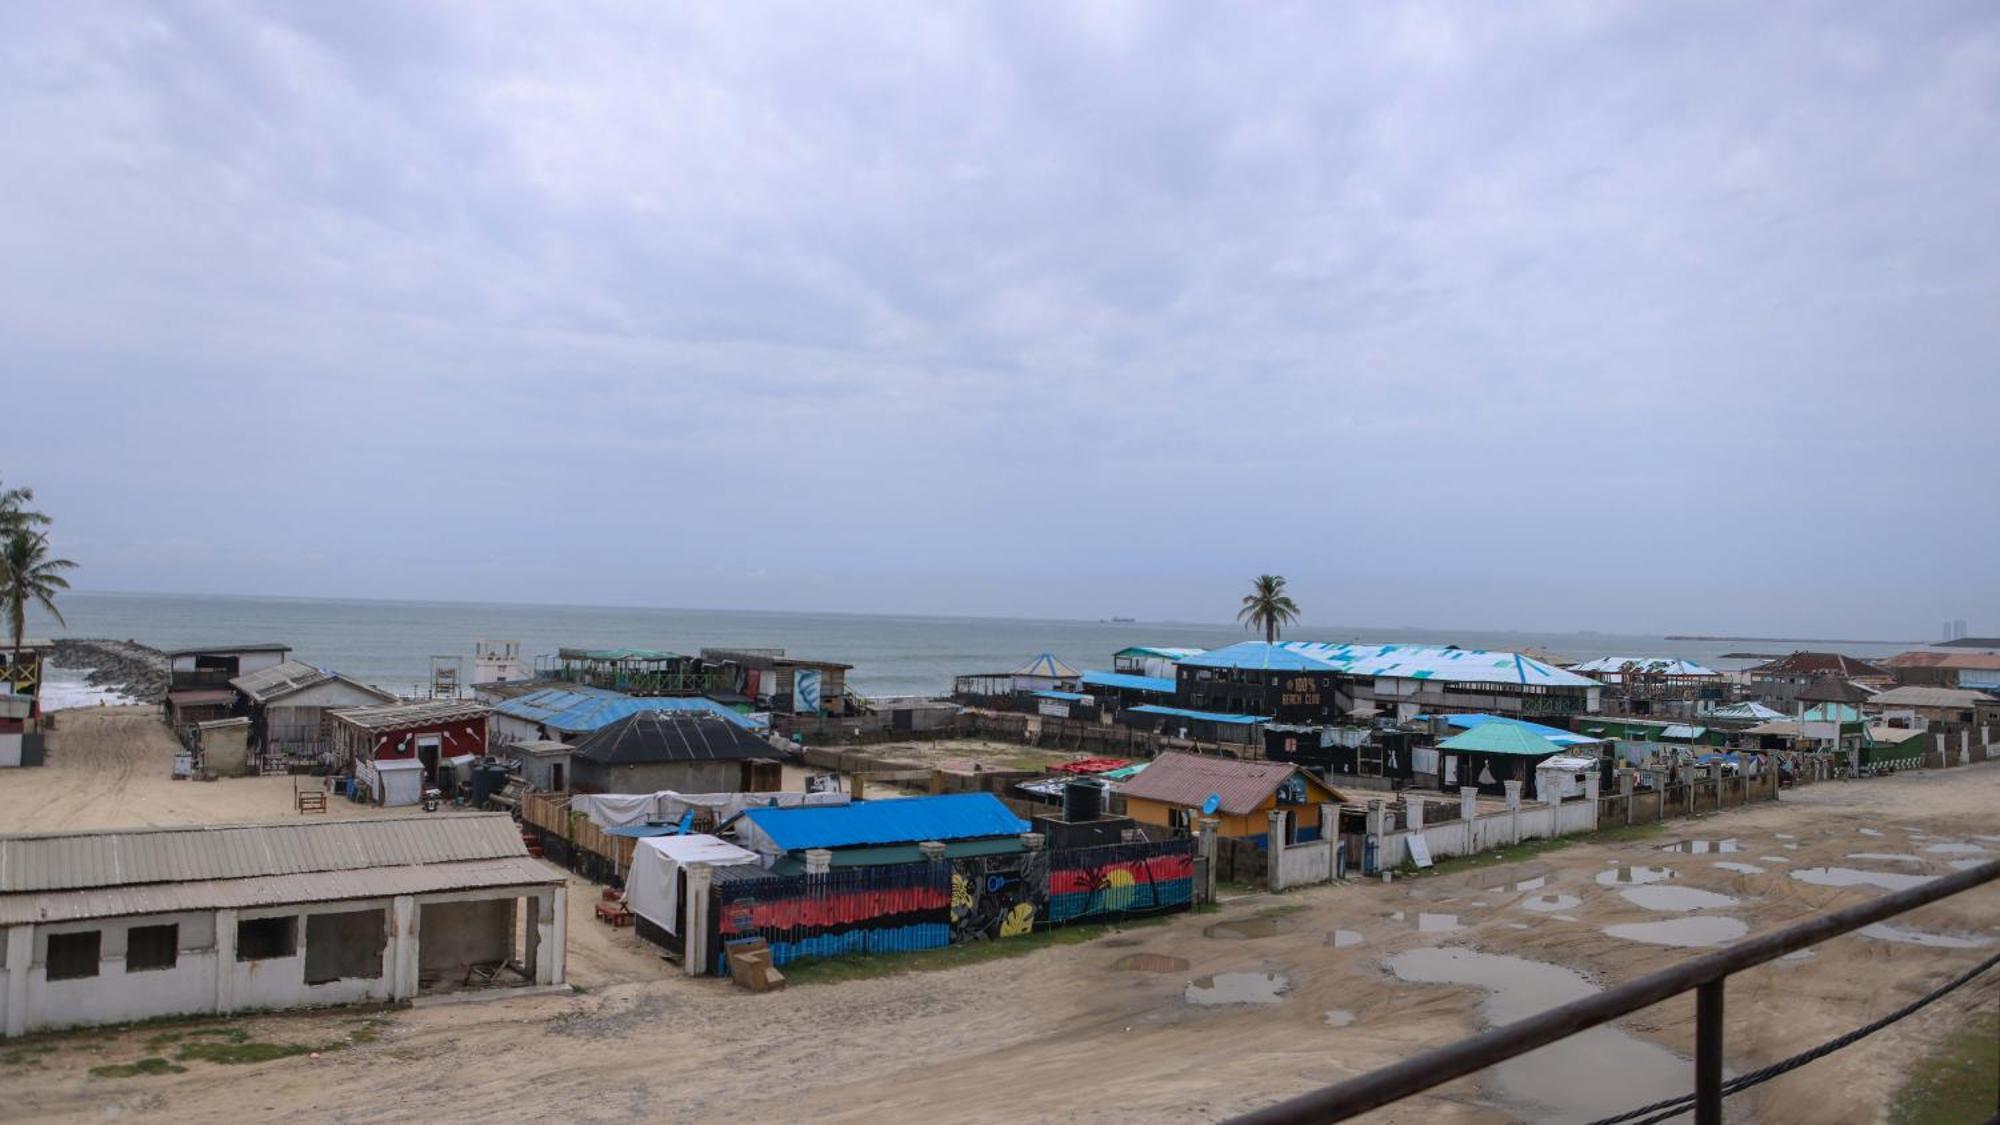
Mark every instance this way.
x=1704 y=976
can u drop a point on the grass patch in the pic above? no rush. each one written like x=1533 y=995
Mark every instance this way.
x=28 y=1056
x=1515 y=853
x=239 y=1053
x=166 y=1039
x=834 y=970
x=152 y=1064
x=1955 y=1082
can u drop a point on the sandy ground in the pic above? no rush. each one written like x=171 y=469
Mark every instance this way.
x=1060 y=1034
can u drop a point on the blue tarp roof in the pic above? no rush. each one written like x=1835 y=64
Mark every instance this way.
x=586 y=709
x=1159 y=684
x=1206 y=716
x=1068 y=696
x=905 y=820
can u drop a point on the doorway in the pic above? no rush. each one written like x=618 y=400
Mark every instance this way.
x=428 y=747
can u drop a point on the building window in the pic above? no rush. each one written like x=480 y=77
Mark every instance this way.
x=74 y=955
x=262 y=939
x=344 y=946
x=152 y=947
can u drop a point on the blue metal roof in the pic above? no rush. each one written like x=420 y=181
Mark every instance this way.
x=905 y=820
x=1157 y=684
x=586 y=709
x=1066 y=696
x=1408 y=662
x=1205 y=716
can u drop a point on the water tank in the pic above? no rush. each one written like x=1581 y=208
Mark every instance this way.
x=1083 y=799
x=489 y=776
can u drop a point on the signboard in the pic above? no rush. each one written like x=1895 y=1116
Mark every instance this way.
x=1420 y=851
x=1054 y=708
x=805 y=691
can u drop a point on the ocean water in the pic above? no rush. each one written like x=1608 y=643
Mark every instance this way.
x=390 y=643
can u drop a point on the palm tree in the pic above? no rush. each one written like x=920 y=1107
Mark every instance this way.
x=1268 y=607
x=15 y=515
x=28 y=574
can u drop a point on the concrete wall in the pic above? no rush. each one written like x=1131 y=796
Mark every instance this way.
x=454 y=936
x=682 y=777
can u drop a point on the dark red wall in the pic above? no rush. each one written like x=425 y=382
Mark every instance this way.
x=468 y=736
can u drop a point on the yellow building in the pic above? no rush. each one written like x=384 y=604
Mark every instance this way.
x=1172 y=791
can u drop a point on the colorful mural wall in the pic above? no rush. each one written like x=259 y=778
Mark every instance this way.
x=849 y=911
x=1120 y=881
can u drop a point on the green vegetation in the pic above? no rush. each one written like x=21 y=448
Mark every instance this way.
x=834 y=970
x=28 y=576
x=27 y=1056
x=1515 y=853
x=152 y=1064
x=1957 y=1081
x=1268 y=607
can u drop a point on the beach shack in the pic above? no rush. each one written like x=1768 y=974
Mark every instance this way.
x=434 y=733
x=1490 y=755
x=570 y=715
x=1175 y=788
x=288 y=705
x=649 y=751
x=1042 y=672
x=771 y=681
x=882 y=832
x=134 y=924
x=543 y=764
x=21 y=670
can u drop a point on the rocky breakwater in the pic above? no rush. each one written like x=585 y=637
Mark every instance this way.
x=126 y=667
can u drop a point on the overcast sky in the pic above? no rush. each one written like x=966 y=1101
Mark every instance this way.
x=1663 y=316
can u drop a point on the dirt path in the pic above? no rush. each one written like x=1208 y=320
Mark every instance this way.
x=1063 y=1035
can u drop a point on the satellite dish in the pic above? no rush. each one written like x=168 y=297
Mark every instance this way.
x=1213 y=803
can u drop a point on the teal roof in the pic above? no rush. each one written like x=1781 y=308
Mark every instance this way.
x=1409 y=662
x=1158 y=685
x=1205 y=716
x=1500 y=738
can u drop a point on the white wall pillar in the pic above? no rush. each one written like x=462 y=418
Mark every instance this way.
x=1205 y=833
x=546 y=935
x=404 y=918
x=1413 y=811
x=225 y=962
x=819 y=861
x=1375 y=817
x=1274 y=850
x=1468 y=801
x=1513 y=795
x=1329 y=830
x=700 y=879
x=19 y=954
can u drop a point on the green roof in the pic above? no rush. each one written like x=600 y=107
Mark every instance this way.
x=618 y=654
x=1501 y=738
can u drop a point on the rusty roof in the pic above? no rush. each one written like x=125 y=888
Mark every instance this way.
x=1975 y=660
x=393 y=716
x=1803 y=663
x=1177 y=778
x=273 y=890
x=50 y=861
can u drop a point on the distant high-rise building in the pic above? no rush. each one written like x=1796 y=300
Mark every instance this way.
x=1955 y=630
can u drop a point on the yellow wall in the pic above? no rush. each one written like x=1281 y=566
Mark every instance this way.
x=1254 y=824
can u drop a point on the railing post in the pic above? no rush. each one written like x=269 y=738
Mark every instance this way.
x=1708 y=1053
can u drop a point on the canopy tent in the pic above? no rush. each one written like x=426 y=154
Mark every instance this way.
x=1046 y=666
x=653 y=885
x=626 y=810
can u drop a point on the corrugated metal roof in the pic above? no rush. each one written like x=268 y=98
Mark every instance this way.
x=291 y=677
x=1046 y=665
x=1065 y=696
x=273 y=890
x=904 y=820
x=71 y=860
x=225 y=650
x=1555 y=735
x=1747 y=711
x=1187 y=780
x=1975 y=661
x=1156 y=650
x=1500 y=738
x=195 y=697
x=1820 y=663
x=673 y=736
x=1644 y=666
x=1160 y=685
x=389 y=716
x=582 y=710
x=1929 y=697
x=1408 y=662
x=1205 y=716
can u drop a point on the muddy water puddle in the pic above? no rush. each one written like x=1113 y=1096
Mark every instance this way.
x=1798 y=955
x=1739 y=868
x=1703 y=847
x=1427 y=922
x=1664 y=897
x=1238 y=988
x=1882 y=931
x=1887 y=857
x=1244 y=929
x=1587 y=1076
x=1636 y=875
x=1964 y=864
x=1343 y=939
x=1150 y=963
x=1854 y=877
x=1774 y=859
x=1692 y=932
x=1954 y=847
x=1551 y=903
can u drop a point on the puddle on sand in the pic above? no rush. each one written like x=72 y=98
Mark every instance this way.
x=1519 y=926
x=1854 y=877
x=1675 y=898
x=1339 y=1017
x=1703 y=847
x=1563 y=917
x=1589 y=1075
x=1341 y=939
x=1784 y=835
x=1238 y=988
x=1952 y=847
x=1246 y=928
x=1887 y=857
x=1636 y=875
x=1690 y=932
x=1121 y=942
x=1150 y=963
x=1427 y=923
x=1882 y=931
x=1740 y=868
x=1964 y=864
x=1798 y=955
x=1549 y=904
x=1870 y=832
x=1774 y=859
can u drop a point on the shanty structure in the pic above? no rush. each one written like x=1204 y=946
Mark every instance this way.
x=632 y=671
x=1778 y=682
x=1174 y=789
x=18 y=745
x=543 y=764
x=144 y=923
x=773 y=681
x=572 y=714
x=875 y=833
x=1937 y=708
x=1126 y=689
x=1490 y=755
x=1311 y=682
x=1966 y=671
x=1155 y=661
x=1648 y=685
x=21 y=670
x=432 y=732
x=288 y=703
x=1737 y=716
x=213 y=666
x=648 y=751
x=1042 y=672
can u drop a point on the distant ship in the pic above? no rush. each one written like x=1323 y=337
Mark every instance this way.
x=1123 y=620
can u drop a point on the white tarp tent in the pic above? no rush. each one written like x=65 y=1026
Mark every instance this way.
x=653 y=885
x=1560 y=778
x=628 y=810
x=392 y=782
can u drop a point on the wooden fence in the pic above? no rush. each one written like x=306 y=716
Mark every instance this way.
x=574 y=840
